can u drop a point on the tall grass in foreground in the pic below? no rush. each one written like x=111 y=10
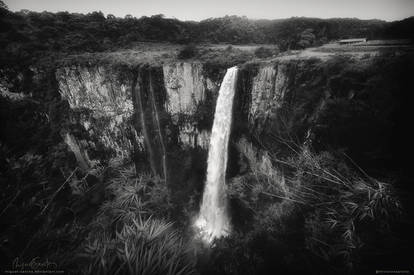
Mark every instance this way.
x=344 y=208
x=125 y=238
x=142 y=247
x=132 y=195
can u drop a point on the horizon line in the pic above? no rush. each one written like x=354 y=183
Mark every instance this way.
x=211 y=17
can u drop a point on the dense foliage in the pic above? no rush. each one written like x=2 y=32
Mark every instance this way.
x=126 y=237
x=321 y=215
x=188 y=51
x=26 y=34
x=295 y=208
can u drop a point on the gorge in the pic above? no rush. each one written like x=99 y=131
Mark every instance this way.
x=236 y=148
x=228 y=146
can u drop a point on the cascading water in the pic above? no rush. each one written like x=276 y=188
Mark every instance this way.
x=213 y=221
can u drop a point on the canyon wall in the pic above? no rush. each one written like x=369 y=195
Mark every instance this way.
x=136 y=112
x=187 y=89
x=101 y=102
x=150 y=111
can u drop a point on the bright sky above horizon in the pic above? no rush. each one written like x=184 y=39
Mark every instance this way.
x=201 y=9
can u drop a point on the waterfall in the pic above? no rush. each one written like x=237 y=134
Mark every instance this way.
x=213 y=221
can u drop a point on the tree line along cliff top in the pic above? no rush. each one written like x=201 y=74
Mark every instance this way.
x=25 y=35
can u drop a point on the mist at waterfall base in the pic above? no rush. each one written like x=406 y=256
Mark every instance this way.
x=213 y=220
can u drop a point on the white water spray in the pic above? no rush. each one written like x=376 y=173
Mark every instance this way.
x=213 y=221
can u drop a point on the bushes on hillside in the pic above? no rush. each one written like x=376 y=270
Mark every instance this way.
x=307 y=206
x=188 y=51
x=139 y=247
x=32 y=34
x=129 y=235
x=264 y=52
x=135 y=195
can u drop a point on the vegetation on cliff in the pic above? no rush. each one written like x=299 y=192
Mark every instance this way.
x=305 y=212
x=316 y=183
x=27 y=35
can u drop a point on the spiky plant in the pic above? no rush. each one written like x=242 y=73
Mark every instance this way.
x=338 y=201
x=131 y=195
x=143 y=247
x=125 y=238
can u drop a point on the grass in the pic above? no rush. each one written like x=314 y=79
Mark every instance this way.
x=107 y=220
x=160 y=53
x=130 y=234
x=141 y=246
x=342 y=208
x=136 y=194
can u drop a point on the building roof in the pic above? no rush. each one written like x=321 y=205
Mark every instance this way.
x=353 y=40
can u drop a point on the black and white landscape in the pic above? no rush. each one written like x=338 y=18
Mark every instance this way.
x=210 y=144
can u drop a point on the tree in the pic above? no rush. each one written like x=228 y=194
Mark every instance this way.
x=264 y=52
x=306 y=39
x=188 y=51
x=3 y=5
x=160 y=16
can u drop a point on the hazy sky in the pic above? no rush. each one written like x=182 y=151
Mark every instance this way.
x=201 y=9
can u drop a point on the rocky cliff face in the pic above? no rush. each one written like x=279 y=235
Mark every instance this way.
x=338 y=102
x=101 y=100
x=187 y=88
x=185 y=85
x=268 y=94
x=112 y=109
x=117 y=109
x=172 y=99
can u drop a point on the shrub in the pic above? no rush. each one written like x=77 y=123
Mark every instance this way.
x=134 y=195
x=129 y=236
x=140 y=247
x=188 y=51
x=264 y=52
x=344 y=205
x=329 y=203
